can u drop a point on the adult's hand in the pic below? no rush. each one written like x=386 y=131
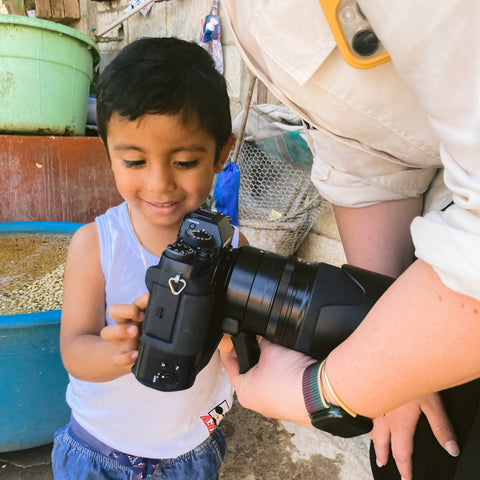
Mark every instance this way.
x=273 y=387
x=397 y=428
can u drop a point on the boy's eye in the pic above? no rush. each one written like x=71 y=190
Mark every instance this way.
x=133 y=163
x=185 y=164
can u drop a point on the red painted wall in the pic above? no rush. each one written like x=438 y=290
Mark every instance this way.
x=61 y=179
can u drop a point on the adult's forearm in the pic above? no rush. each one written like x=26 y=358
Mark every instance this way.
x=420 y=337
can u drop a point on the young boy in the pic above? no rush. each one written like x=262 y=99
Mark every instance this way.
x=163 y=115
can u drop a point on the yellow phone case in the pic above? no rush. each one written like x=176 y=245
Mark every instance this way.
x=355 y=38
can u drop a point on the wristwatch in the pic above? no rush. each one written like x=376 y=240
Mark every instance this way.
x=325 y=416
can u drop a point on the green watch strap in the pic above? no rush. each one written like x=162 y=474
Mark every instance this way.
x=327 y=417
x=311 y=393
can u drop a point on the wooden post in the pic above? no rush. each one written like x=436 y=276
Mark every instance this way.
x=61 y=11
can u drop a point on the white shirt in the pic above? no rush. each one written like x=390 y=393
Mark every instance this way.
x=389 y=132
x=124 y=414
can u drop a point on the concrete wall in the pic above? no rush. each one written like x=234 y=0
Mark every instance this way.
x=323 y=243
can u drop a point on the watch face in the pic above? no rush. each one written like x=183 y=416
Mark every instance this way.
x=336 y=421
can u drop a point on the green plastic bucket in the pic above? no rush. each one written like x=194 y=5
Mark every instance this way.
x=45 y=74
x=32 y=378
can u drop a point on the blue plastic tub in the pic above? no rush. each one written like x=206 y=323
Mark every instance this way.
x=32 y=378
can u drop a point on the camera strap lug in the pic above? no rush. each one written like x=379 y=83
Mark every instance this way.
x=177 y=284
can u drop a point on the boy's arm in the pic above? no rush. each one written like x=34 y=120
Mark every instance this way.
x=85 y=354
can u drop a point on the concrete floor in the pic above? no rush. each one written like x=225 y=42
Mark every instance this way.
x=259 y=448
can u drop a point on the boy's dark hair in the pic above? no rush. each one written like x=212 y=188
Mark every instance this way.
x=165 y=76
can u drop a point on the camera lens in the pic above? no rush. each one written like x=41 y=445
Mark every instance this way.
x=308 y=307
x=268 y=294
x=365 y=43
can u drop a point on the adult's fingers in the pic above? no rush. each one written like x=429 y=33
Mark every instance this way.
x=230 y=360
x=440 y=424
x=402 y=450
x=380 y=435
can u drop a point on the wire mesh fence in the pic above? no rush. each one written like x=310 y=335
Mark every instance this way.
x=278 y=203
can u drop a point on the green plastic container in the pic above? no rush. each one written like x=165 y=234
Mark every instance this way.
x=45 y=74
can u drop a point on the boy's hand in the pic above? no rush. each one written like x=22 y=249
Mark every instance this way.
x=126 y=332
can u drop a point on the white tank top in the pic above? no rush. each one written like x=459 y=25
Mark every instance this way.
x=123 y=413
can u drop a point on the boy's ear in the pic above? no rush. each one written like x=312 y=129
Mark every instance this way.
x=222 y=158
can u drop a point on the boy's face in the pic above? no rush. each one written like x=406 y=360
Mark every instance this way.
x=163 y=168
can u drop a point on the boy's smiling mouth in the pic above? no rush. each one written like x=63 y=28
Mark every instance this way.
x=163 y=206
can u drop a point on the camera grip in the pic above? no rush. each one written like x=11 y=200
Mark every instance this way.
x=247 y=349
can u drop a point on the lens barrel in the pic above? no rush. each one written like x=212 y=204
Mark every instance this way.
x=308 y=307
x=265 y=293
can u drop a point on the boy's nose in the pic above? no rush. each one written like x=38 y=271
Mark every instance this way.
x=161 y=178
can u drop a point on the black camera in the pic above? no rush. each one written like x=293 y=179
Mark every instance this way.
x=202 y=288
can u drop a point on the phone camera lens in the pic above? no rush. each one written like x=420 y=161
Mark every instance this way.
x=365 y=43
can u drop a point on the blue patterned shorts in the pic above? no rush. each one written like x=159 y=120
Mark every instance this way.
x=75 y=460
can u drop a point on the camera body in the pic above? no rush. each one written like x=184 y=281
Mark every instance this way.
x=181 y=329
x=202 y=288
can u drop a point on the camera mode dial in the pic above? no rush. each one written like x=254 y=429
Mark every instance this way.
x=180 y=251
x=198 y=238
